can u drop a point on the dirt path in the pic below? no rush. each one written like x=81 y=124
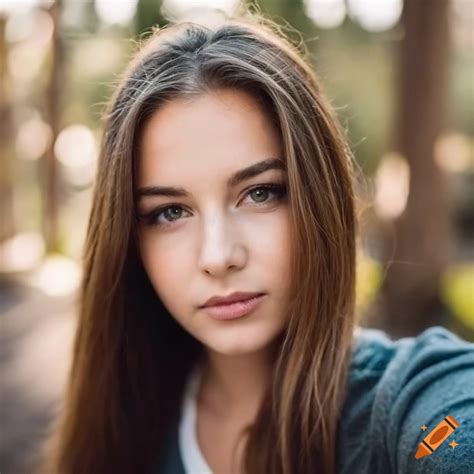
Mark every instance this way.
x=35 y=344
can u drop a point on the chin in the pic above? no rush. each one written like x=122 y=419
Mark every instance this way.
x=238 y=346
x=235 y=351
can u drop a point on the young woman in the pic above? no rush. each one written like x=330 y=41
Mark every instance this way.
x=217 y=329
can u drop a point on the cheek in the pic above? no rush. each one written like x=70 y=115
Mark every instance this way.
x=273 y=244
x=166 y=267
x=278 y=257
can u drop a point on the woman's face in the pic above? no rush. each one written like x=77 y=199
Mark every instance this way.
x=219 y=237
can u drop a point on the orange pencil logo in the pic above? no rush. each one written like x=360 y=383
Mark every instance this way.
x=436 y=437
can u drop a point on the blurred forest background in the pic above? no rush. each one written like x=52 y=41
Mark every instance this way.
x=399 y=73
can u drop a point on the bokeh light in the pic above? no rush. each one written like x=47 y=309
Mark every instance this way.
x=29 y=47
x=183 y=9
x=76 y=149
x=116 y=11
x=326 y=13
x=453 y=152
x=10 y=7
x=75 y=146
x=392 y=186
x=34 y=136
x=375 y=15
x=461 y=19
x=57 y=276
x=21 y=252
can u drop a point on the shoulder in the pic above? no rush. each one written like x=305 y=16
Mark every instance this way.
x=397 y=386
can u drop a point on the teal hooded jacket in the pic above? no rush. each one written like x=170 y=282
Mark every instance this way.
x=398 y=392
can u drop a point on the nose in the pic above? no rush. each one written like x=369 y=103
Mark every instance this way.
x=221 y=249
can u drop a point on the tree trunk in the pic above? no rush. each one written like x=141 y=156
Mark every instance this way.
x=420 y=249
x=6 y=139
x=53 y=114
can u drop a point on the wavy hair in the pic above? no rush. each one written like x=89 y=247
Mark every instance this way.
x=131 y=359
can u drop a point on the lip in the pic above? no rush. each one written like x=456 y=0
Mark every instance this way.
x=224 y=312
x=232 y=298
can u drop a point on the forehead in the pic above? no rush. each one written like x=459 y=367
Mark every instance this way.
x=209 y=136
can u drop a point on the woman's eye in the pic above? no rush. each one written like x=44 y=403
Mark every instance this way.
x=260 y=193
x=166 y=216
x=172 y=213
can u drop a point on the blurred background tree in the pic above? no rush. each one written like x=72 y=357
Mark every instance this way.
x=53 y=112
x=6 y=130
x=420 y=248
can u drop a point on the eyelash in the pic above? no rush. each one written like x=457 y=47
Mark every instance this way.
x=151 y=218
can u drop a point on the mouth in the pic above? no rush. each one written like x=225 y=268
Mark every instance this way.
x=234 y=310
x=235 y=297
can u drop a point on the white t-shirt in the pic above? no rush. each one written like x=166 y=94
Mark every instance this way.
x=193 y=459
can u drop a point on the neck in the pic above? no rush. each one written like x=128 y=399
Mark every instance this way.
x=234 y=385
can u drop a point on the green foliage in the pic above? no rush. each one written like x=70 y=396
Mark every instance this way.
x=368 y=281
x=148 y=15
x=457 y=291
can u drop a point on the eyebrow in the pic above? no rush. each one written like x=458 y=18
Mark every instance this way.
x=236 y=178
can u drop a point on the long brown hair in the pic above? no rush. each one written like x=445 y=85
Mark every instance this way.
x=131 y=359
